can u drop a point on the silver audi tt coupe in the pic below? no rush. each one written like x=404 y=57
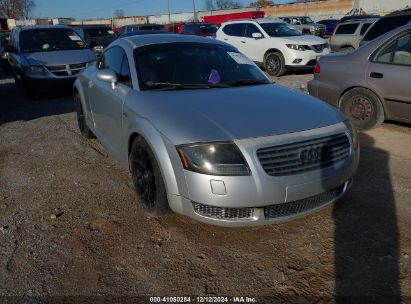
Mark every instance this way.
x=206 y=134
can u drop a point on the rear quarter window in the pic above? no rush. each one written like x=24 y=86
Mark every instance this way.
x=347 y=29
x=385 y=25
x=364 y=28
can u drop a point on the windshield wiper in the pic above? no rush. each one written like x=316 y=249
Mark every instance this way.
x=164 y=86
x=246 y=82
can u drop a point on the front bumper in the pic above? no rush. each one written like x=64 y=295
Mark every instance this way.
x=249 y=198
x=47 y=83
x=303 y=59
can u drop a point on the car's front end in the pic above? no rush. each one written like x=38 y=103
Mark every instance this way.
x=281 y=177
x=304 y=55
x=54 y=70
x=244 y=151
x=318 y=29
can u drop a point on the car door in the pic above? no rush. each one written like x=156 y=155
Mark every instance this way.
x=236 y=35
x=389 y=73
x=107 y=100
x=252 y=47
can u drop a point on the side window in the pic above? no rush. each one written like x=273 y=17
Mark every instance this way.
x=347 y=29
x=364 y=28
x=125 y=76
x=237 y=29
x=112 y=59
x=397 y=52
x=251 y=28
x=226 y=29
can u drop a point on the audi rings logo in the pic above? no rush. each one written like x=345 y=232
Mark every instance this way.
x=313 y=155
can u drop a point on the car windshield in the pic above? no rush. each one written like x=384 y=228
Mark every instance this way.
x=306 y=20
x=44 y=40
x=280 y=30
x=101 y=32
x=178 y=66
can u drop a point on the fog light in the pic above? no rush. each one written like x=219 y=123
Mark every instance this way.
x=297 y=60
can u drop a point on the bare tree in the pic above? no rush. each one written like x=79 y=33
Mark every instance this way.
x=262 y=3
x=221 y=4
x=17 y=8
x=119 y=13
x=27 y=7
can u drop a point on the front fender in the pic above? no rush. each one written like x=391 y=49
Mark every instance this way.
x=84 y=102
x=165 y=153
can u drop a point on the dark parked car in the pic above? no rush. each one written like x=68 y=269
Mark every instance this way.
x=4 y=39
x=330 y=25
x=200 y=29
x=370 y=84
x=141 y=27
x=97 y=37
x=47 y=57
x=386 y=24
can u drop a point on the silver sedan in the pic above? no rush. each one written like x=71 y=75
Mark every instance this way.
x=206 y=134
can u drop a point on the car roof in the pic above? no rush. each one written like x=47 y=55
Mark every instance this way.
x=139 y=41
x=362 y=20
x=404 y=12
x=257 y=20
x=143 y=24
x=42 y=27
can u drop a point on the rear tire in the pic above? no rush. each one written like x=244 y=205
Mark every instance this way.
x=363 y=108
x=274 y=64
x=147 y=179
x=81 y=120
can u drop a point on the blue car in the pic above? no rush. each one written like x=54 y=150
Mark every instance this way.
x=330 y=25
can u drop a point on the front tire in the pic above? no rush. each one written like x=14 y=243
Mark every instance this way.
x=147 y=179
x=363 y=108
x=274 y=64
x=81 y=120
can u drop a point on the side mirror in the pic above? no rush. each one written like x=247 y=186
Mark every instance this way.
x=107 y=76
x=257 y=35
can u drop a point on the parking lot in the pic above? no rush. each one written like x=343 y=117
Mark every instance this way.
x=70 y=223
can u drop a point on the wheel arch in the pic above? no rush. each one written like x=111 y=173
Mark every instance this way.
x=164 y=152
x=272 y=50
x=368 y=89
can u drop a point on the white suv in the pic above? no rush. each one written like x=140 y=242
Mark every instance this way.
x=273 y=44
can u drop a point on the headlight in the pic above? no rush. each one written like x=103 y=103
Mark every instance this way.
x=35 y=69
x=353 y=132
x=296 y=47
x=214 y=159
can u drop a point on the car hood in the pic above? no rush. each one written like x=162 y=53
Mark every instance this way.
x=232 y=113
x=305 y=39
x=59 y=57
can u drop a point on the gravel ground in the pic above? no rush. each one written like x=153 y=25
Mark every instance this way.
x=71 y=225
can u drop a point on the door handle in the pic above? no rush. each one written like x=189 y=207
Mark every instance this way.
x=376 y=75
x=225 y=39
x=242 y=41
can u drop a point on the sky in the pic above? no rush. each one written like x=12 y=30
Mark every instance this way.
x=83 y=9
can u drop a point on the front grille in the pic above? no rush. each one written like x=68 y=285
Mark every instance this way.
x=223 y=213
x=304 y=156
x=77 y=68
x=67 y=70
x=306 y=204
